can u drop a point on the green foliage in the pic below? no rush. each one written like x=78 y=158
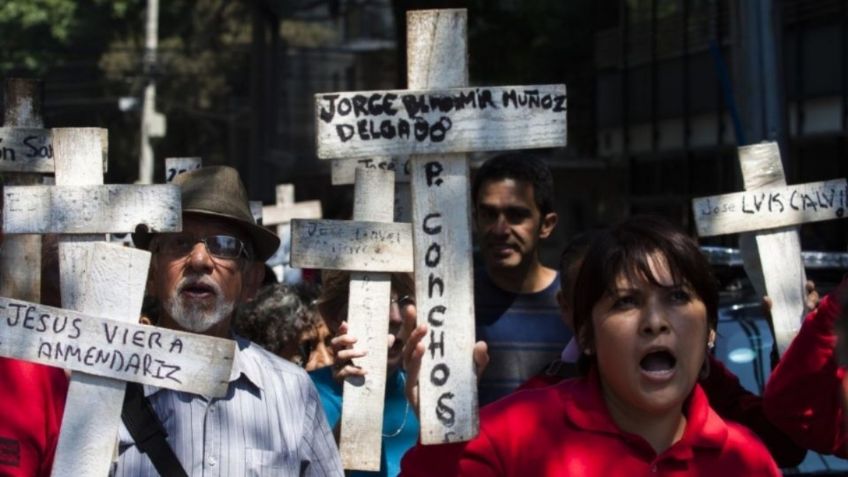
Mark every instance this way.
x=31 y=29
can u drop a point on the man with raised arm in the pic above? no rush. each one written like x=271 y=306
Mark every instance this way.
x=515 y=294
x=270 y=422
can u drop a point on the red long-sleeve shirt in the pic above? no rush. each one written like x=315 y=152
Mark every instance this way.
x=566 y=429
x=32 y=398
x=803 y=396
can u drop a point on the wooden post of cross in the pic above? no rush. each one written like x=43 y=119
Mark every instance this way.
x=369 y=247
x=104 y=341
x=767 y=215
x=81 y=205
x=342 y=173
x=25 y=154
x=438 y=118
x=280 y=216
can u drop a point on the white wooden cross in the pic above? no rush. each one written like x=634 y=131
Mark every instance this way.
x=437 y=118
x=767 y=214
x=25 y=154
x=80 y=204
x=342 y=173
x=280 y=216
x=369 y=247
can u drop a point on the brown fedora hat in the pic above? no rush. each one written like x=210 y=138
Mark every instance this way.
x=217 y=191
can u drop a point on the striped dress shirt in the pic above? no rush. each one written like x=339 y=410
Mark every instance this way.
x=270 y=423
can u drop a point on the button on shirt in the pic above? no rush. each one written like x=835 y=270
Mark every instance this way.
x=269 y=423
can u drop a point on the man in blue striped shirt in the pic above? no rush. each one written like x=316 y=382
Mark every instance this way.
x=270 y=422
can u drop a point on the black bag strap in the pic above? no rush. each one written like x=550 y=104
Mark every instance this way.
x=147 y=432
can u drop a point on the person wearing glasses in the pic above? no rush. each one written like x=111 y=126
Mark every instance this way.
x=270 y=422
x=400 y=425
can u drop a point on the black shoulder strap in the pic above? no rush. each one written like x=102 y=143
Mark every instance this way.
x=147 y=432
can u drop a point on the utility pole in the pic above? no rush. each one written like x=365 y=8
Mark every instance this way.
x=152 y=122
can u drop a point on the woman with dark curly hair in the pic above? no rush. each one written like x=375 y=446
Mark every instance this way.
x=284 y=320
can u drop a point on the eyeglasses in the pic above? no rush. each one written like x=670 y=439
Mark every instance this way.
x=220 y=246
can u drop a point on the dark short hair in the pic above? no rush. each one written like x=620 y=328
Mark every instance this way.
x=278 y=315
x=520 y=166
x=625 y=249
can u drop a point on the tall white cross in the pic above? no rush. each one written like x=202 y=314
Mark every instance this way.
x=438 y=117
x=369 y=247
x=280 y=216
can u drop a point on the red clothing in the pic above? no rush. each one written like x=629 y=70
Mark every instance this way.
x=566 y=430
x=803 y=395
x=32 y=398
x=730 y=400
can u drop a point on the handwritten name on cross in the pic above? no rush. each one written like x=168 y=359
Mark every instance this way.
x=280 y=216
x=369 y=247
x=79 y=204
x=438 y=117
x=767 y=214
x=175 y=166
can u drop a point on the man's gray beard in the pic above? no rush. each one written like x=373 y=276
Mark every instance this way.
x=193 y=317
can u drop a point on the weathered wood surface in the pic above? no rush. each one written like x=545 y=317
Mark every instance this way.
x=346 y=245
x=26 y=150
x=20 y=256
x=368 y=319
x=108 y=348
x=774 y=255
x=439 y=120
x=771 y=250
x=771 y=207
x=441 y=218
x=342 y=171
x=175 y=166
x=90 y=209
x=112 y=286
x=276 y=215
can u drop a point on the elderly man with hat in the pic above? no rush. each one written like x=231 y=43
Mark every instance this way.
x=270 y=422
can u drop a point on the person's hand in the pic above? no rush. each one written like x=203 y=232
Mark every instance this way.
x=811 y=300
x=413 y=353
x=342 y=344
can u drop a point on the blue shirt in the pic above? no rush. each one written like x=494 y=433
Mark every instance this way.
x=524 y=333
x=398 y=418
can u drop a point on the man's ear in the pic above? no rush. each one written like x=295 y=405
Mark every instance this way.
x=252 y=278
x=546 y=228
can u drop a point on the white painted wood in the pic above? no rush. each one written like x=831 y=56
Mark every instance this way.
x=175 y=166
x=121 y=350
x=778 y=252
x=368 y=318
x=439 y=121
x=26 y=150
x=20 y=256
x=90 y=209
x=342 y=171
x=285 y=195
x=771 y=207
x=771 y=251
x=444 y=283
x=276 y=215
x=346 y=245
x=112 y=286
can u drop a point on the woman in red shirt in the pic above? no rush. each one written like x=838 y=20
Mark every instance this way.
x=645 y=314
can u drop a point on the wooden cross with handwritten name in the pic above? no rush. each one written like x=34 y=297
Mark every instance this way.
x=767 y=214
x=370 y=246
x=105 y=282
x=437 y=118
x=342 y=173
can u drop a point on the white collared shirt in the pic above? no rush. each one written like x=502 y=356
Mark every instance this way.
x=269 y=423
